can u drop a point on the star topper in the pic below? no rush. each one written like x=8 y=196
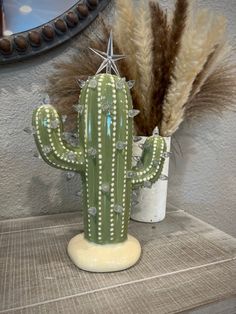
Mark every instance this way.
x=109 y=58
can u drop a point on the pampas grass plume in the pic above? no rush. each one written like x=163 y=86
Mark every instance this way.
x=200 y=38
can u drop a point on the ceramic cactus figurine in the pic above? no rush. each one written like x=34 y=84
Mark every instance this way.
x=104 y=160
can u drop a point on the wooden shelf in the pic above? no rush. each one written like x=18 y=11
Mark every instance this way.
x=186 y=264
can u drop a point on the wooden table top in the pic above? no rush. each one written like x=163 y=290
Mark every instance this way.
x=186 y=266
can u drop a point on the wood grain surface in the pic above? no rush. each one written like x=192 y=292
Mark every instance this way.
x=185 y=264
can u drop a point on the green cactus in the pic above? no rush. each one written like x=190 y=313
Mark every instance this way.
x=103 y=156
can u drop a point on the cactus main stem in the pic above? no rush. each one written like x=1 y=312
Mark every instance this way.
x=102 y=128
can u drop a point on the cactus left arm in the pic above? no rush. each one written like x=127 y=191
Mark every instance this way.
x=151 y=163
x=48 y=137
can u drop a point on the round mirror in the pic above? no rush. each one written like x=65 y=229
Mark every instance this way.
x=30 y=27
x=23 y=15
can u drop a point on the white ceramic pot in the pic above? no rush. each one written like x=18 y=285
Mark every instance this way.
x=150 y=203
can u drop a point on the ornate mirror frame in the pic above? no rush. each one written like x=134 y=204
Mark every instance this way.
x=47 y=36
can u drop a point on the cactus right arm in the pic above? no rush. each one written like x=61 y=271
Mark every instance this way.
x=152 y=161
x=48 y=137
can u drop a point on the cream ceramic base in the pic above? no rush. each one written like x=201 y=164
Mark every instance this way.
x=103 y=258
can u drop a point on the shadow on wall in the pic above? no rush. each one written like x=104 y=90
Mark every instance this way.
x=198 y=161
x=49 y=198
x=183 y=148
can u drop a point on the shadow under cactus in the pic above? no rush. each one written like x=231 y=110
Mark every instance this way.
x=53 y=199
